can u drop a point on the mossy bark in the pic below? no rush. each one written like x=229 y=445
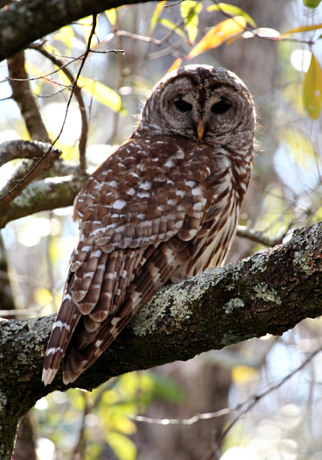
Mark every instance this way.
x=269 y=292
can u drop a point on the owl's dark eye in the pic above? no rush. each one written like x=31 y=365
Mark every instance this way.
x=182 y=105
x=220 y=107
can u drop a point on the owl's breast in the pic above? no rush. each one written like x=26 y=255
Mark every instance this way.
x=212 y=241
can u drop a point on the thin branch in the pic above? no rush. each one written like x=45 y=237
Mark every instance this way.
x=79 y=97
x=53 y=72
x=73 y=86
x=82 y=146
x=259 y=237
x=181 y=421
x=250 y=403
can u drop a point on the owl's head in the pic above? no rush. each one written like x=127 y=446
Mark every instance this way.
x=204 y=103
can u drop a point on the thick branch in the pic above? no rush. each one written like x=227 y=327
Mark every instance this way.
x=44 y=156
x=23 y=22
x=48 y=193
x=269 y=292
x=43 y=195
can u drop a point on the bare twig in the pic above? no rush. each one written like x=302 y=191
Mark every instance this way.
x=78 y=451
x=250 y=403
x=181 y=421
x=82 y=158
x=79 y=97
x=82 y=147
x=259 y=237
x=242 y=408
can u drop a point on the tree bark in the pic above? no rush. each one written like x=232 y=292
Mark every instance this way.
x=269 y=292
x=25 y=21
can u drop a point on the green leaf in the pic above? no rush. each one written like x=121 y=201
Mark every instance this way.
x=190 y=13
x=233 y=10
x=102 y=94
x=311 y=3
x=312 y=89
x=170 y=25
x=156 y=15
x=166 y=389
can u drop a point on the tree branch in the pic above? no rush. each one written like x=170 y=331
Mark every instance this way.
x=21 y=93
x=43 y=158
x=43 y=195
x=21 y=197
x=23 y=22
x=269 y=292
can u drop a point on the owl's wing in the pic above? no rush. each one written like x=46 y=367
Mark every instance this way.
x=137 y=215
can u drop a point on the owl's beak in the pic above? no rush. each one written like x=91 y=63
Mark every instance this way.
x=200 y=129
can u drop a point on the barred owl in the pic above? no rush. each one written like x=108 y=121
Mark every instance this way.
x=162 y=207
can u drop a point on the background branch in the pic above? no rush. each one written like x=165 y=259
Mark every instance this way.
x=21 y=93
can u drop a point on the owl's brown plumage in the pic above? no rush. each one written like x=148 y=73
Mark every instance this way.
x=163 y=207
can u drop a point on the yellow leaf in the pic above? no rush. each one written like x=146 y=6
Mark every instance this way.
x=155 y=17
x=233 y=10
x=312 y=89
x=101 y=93
x=218 y=34
x=175 y=65
x=65 y=35
x=302 y=29
x=33 y=70
x=111 y=16
x=189 y=12
x=170 y=25
x=86 y=24
x=123 y=424
x=243 y=375
x=123 y=447
x=43 y=296
x=299 y=146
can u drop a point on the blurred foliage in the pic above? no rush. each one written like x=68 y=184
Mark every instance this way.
x=86 y=423
x=288 y=189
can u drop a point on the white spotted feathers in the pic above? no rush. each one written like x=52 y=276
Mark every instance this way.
x=163 y=207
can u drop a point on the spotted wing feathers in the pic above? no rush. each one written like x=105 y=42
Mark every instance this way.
x=136 y=232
